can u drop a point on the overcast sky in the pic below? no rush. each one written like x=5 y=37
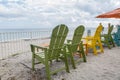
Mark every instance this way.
x=49 y=13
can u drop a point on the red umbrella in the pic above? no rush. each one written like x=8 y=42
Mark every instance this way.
x=112 y=14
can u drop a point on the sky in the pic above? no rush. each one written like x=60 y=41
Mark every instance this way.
x=49 y=13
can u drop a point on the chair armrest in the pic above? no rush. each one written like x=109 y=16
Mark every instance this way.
x=103 y=35
x=69 y=41
x=88 y=38
x=38 y=47
x=73 y=44
x=113 y=34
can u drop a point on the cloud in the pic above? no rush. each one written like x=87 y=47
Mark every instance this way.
x=53 y=12
x=8 y=10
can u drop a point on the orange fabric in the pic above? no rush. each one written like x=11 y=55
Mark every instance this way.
x=112 y=14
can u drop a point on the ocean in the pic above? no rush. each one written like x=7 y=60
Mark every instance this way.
x=14 y=41
x=16 y=34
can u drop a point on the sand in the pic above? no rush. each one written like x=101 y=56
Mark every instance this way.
x=104 y=66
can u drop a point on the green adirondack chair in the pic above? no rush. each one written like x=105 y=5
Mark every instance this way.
x=108 y=40
x=55 y=51
x=76 y=46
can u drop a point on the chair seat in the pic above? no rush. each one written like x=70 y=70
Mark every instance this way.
x=40 y=54
x=89 y=43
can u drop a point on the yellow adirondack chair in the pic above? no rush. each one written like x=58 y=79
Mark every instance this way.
x=94 y=42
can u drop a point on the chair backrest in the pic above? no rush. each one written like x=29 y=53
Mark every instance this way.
x=58 y=37
x=118 y=31
x=98 y=31
x=118 y=28
x=78 y=33
x=110 y=28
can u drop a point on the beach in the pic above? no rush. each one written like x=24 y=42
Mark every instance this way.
x=17 y=62
x=40 y=22
x=104 y=66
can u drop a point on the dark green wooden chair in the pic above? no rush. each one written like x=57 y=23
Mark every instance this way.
x=75 y=46
x=55 y=51
x=108 y=40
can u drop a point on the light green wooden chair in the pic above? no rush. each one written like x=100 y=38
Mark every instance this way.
x=55 y=51
x=108 y=40
x=75 y=46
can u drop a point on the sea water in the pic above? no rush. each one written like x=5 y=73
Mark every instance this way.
x=13 y=34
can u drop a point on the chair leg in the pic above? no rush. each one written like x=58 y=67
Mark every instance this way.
x=47 y=67
x=33 y=61
x=66 y=63
x=72 y=60
x=112 y=41
x=101 y=47
x=86 y=49
x=94 y=49
x=83 y=53
x=107 y=42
